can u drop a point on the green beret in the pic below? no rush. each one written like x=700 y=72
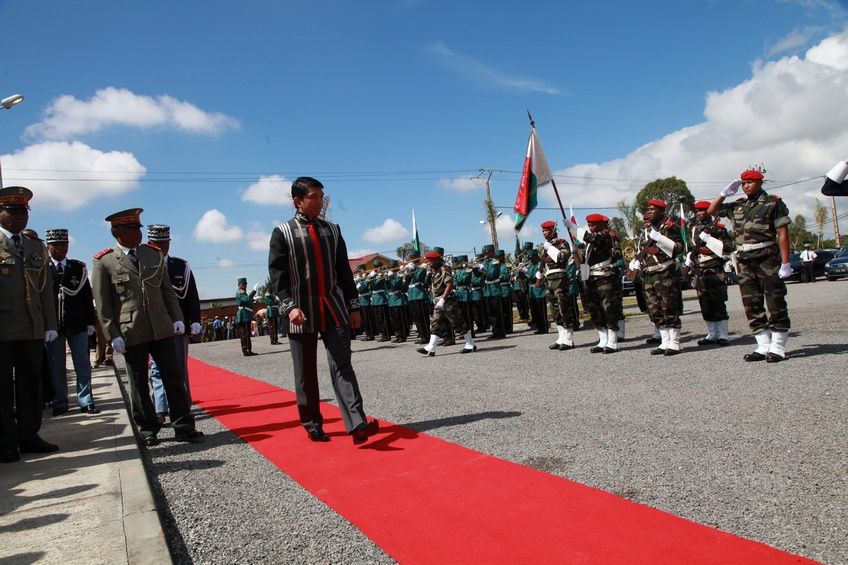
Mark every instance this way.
x=439 y=250
x=242 y=280
x=462 y=258
x=528 y=245
x=500 y=254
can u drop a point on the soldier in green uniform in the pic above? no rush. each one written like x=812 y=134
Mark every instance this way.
x=491 y=269
x=380 y=302
x=621 y=268
x=244 y=316
x=446 y=306
x=363 y=290
x=418 y=292
x=602 y=283
x=478 y=283
x=397 y=286
x=658 y=261
x=560 y=276
x=706 y=264
x=462 y=280
x=27 y=322
x=761 y=224
x=272 y=311
x=140 y=313
x=506 y=290
x=520 y=282
x=537 y=294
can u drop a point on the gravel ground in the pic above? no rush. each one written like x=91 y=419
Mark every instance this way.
x=758 y=450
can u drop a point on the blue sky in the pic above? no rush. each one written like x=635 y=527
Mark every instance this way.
x=203 y=112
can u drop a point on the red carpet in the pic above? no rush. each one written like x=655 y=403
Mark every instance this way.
x=423 y=500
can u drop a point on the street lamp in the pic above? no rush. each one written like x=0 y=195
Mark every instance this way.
x=10 y=101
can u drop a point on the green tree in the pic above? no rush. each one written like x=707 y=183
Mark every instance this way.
x=631 y=217
x=406 y=250
x=798 y=234
x=618 y=226
x=674 y=191
x=820 y=215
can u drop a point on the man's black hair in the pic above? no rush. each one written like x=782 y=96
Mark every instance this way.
x=301 y=186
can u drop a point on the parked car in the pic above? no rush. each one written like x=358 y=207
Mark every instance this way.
x=838 y=266
x=798 y=272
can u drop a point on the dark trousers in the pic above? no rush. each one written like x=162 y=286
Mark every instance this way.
x=520 y=299
x=808 y=269
x=480 y=319
x=274 y=328
x=367 y=326
x=398 y=322
x=21 y=420
x=304 y=351
x=496 y=319
x=421 y=316
x=506 y=312
x=539 y=314
x=244 y=336
x=164 y=353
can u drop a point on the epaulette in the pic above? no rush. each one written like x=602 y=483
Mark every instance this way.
x=100 y=254
x=741 y=200
x=774 y=198
x=153 y=247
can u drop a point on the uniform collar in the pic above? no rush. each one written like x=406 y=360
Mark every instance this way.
x=761 y=194
x=126 y=250
x=63 y=262
x=7 y=233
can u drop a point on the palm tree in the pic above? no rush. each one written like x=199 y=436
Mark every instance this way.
x=820 y=214
x=631 y=217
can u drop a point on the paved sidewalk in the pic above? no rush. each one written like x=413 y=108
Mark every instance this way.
x=88 y=503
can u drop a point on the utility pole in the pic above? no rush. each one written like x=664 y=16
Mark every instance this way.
x=835 y=222
x=489 y=207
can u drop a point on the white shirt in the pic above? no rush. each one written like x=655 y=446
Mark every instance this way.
x=808 y=255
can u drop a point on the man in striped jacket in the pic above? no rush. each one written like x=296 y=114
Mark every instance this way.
x=310 y=273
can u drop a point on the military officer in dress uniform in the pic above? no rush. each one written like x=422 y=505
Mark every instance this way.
x=761 y=224
x=462 y=280
x=602 y=283
x=478 y=306
x=446 y=306
x=506 y=290
x=560 y=280
x=27 y=321
x=75 y=316
x=185 y=287
x=380 y=302
x=419 y=303
x=706 y=263
x=363 y=290
x=396 y=287
x=244 y=316
x=537 y=294
x=140 y=313
x=272 y=312
x=491 y=269
x=834 y=182
x=658 y=263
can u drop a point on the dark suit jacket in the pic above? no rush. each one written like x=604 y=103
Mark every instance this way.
x=73 y=296
x=182 y=280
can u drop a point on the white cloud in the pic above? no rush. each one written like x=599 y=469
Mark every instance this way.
x=67 y=117
x=479 y=71
x=273 y=190
x=69 y=175
x=505 y=226
x=790 y=115
x=462 y=184
x=353 y=253
x=795 y=39
x=213 y=227
x=259 y=240
x=224 y=264
x=391 y=230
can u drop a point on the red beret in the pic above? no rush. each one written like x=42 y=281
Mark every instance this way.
x=702 y=205
x=605 y=218
x=549 y=224
x=657 y=203
x=751 y=174
x=595 y=218
x=433 y=255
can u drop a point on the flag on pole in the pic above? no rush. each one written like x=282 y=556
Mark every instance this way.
x=416 y=243
x=683 y=228
x=535 y=174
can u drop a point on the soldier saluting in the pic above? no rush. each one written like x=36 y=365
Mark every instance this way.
x=761 y=223
x=140 y=314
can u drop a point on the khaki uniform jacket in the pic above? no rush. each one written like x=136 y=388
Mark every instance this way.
x=137 y=304
x=27 y=306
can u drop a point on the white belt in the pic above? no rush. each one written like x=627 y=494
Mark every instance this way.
x=658 y=267
x=601 y=265
x=414 y=284
x=244 y=308
x=755 y=246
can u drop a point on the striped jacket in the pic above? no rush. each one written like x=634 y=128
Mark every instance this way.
x=318 y=288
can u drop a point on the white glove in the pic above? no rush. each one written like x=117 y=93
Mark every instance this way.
x=538 y=275
x=119 y=345
x=440 y=304
x=655 y=235
x=785 y=271
x=705 y=237
x=688 y=262
x=196 y=328
x=179 y=327
x=547 y=245
x=90 y=330
x=50 y=335
x=731 y=189
x=635 y=265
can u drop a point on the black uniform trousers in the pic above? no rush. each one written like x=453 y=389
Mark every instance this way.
x=539 y=314
x=274 y=328
x=243 y=329
x=496 y=318
x=164 y=353
x=304 y=351
x=21 y=420
x=421 y=316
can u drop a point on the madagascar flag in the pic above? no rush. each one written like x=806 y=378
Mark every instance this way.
x=416 y=243
x=536 y=173
x=683 y=228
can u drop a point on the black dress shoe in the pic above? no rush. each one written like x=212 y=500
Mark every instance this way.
x=608 y=350
x=423 y=351
x=773 y=358
x=597 y=349
x=565 y=346
x=540 y=332
x=192 y=436
x=318 y=435
x=723 y=343
x=670 y=352
x=705 y=341
x=653 y=341
x=60 y=411
x=467 y=350
x=364 y=431
x=554 y=346
x=90 y=409
x=658 y=351
x=369 y=338
x=38 y=445
x=384 y=339
x=150 y=441
x=9 y=456
x=754 y=356
x=449 y=342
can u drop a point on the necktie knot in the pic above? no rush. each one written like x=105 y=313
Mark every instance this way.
x=133 y=258
x=17 y=241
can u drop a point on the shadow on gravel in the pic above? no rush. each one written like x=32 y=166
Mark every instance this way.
x=33 y=523
x=25 y=558
x=814 y=349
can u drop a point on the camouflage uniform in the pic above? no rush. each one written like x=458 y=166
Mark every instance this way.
x=758 y=256
x=603 y=287
x=560 y=273
x=659 y=276
x=452 y=310
x=708 y=270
